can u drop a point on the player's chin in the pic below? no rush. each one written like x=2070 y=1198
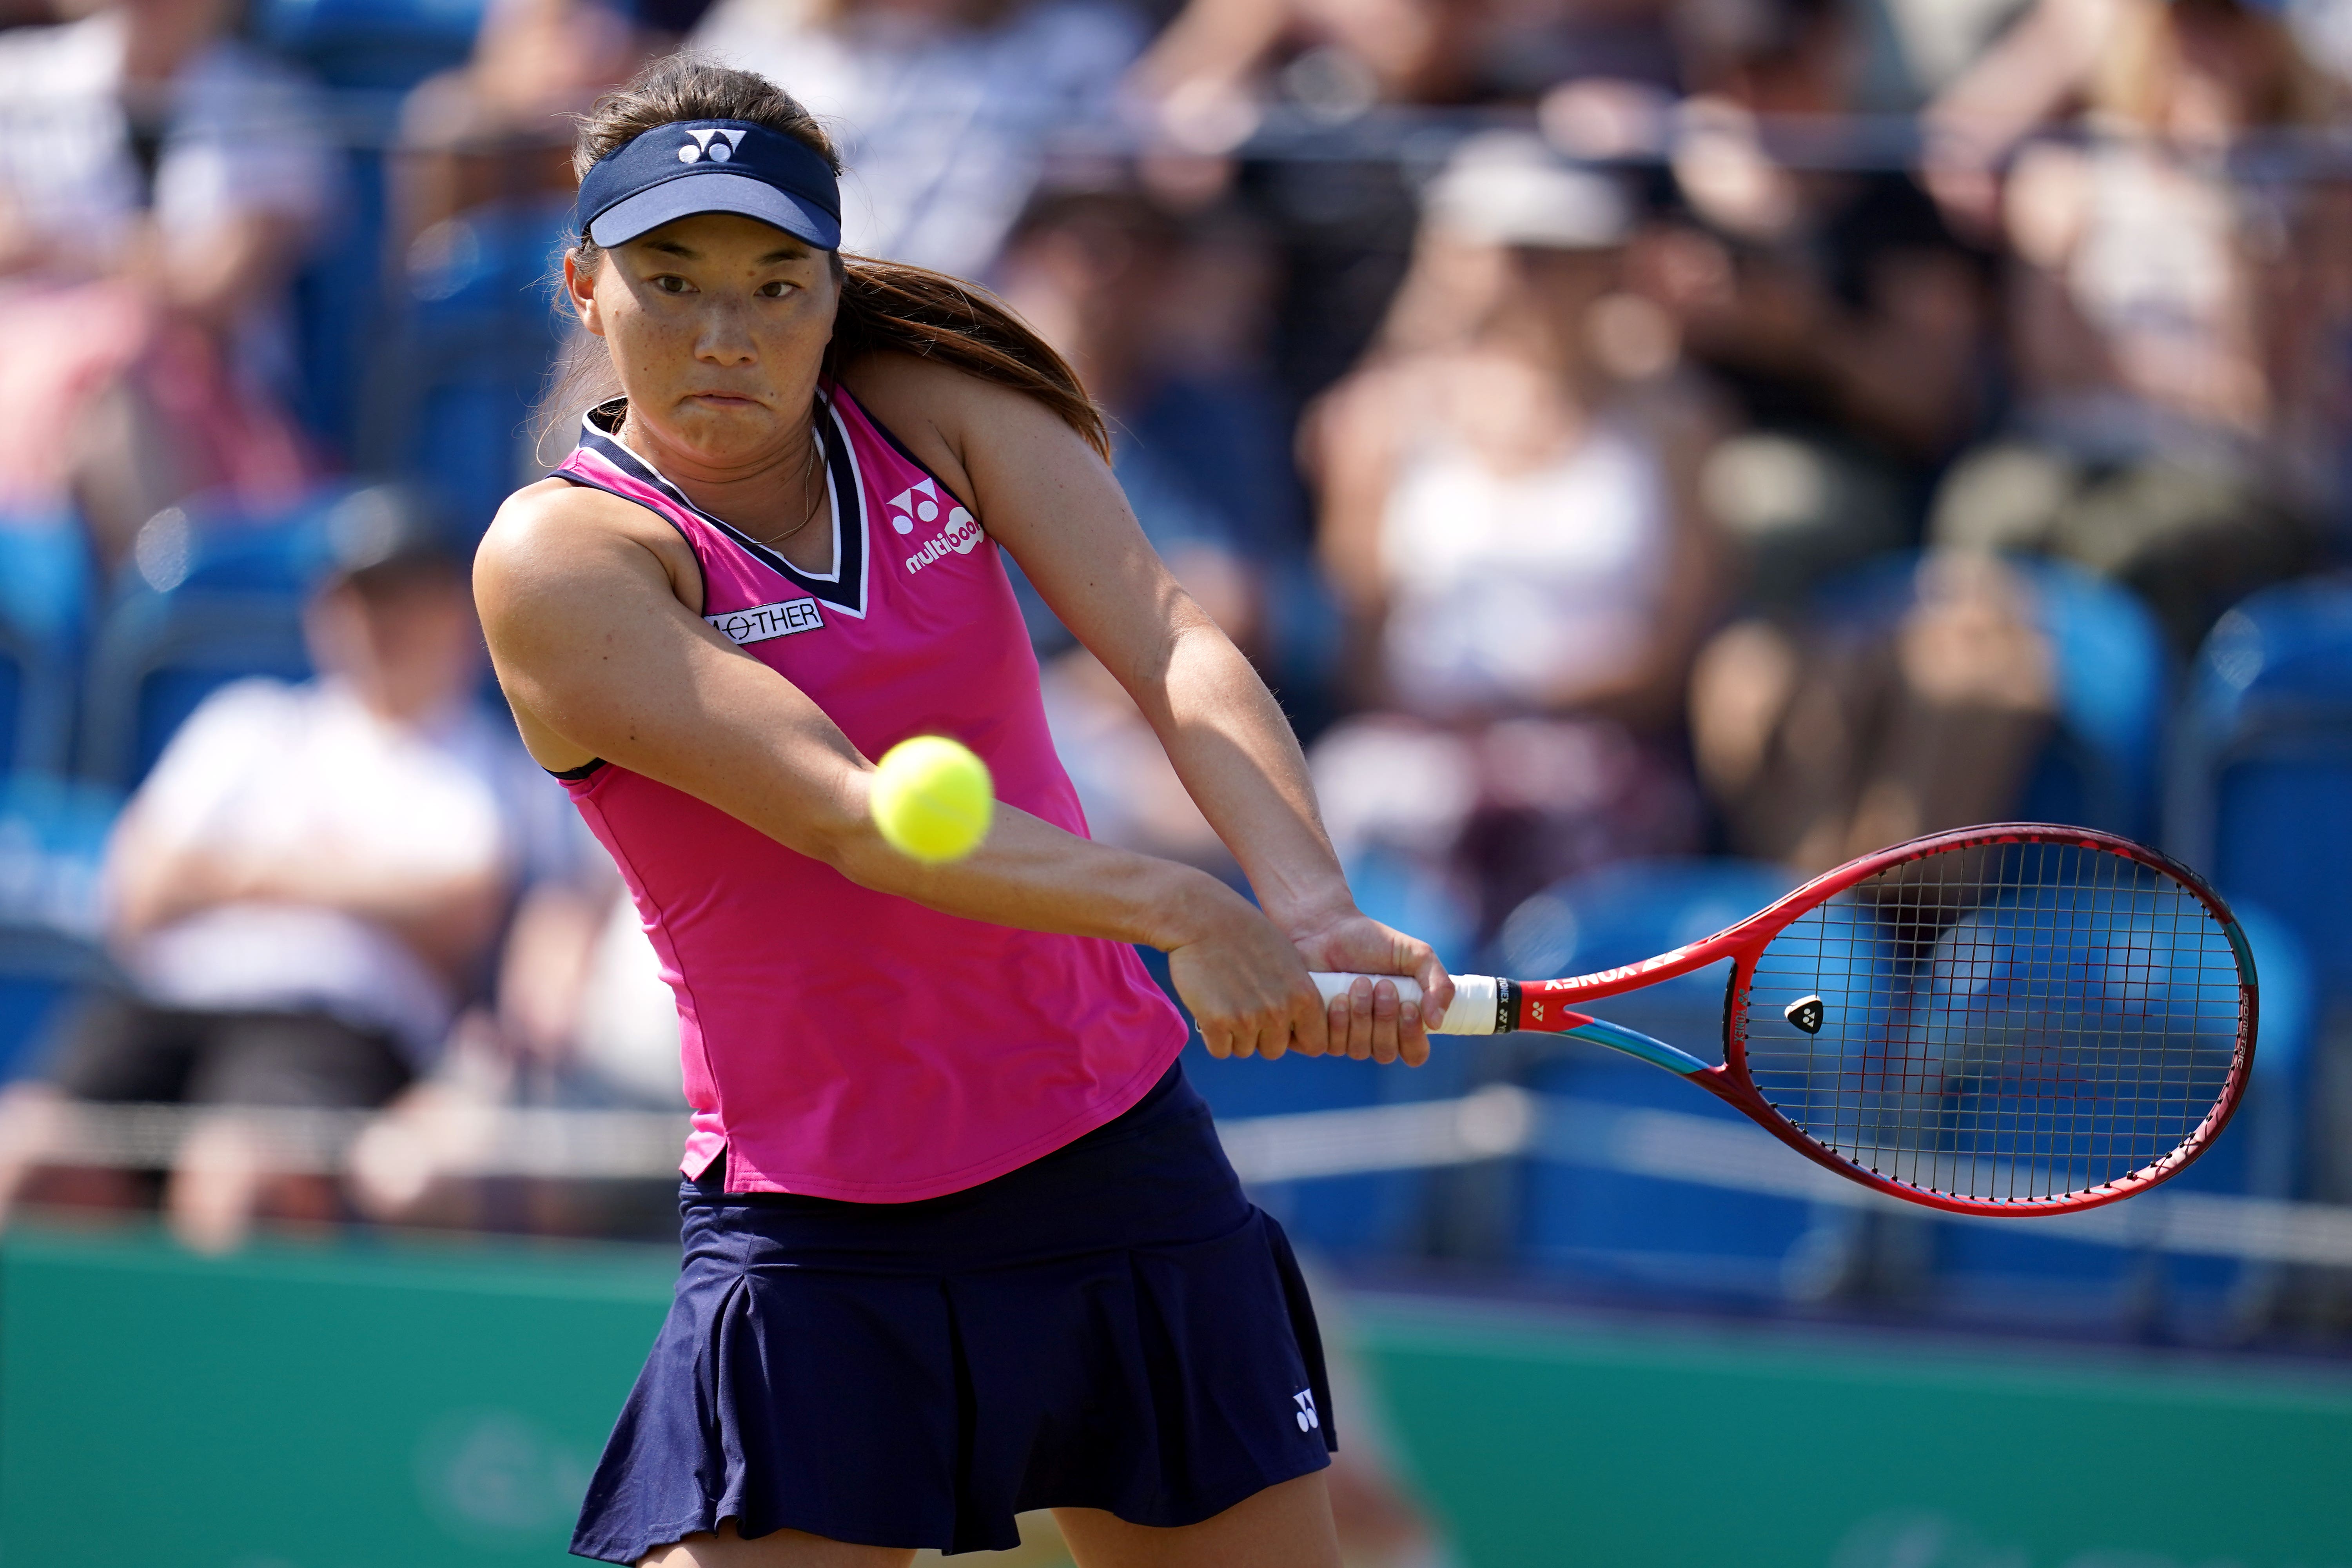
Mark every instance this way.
x=723 y=426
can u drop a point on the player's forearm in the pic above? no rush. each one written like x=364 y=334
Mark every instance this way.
x=692 y=712
x=796 y=778
x=1237 y=756
x=1032 y=875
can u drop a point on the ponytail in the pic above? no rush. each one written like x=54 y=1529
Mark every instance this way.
x=886 y=306
x=914 y=310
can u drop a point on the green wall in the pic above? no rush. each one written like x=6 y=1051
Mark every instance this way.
x=428 y=1404
x=292 y=1409
x=1710 y=1449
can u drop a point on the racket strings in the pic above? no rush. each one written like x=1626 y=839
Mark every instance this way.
x=2009 y=1023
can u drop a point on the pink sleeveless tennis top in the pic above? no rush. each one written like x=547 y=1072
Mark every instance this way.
x=838 y=1041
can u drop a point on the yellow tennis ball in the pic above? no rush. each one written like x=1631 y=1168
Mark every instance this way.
x=932 y=798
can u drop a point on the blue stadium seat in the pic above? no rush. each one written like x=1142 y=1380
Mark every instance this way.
x=1636 y=910
x=370 y=52
x=52 y=838
x=1351 y=1216
x=1597 y=1226
x=213 y=596
x=2114 y=676
x=1612 y=1229
x=2102 y=766
x=388 y=45
x=2018 y=1275
x=479 y=334
x=1342 y=1217
x=45 y=591
x=340 y=306
x=2262 y=765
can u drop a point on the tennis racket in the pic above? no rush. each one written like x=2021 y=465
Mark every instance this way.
x=2016 y=1019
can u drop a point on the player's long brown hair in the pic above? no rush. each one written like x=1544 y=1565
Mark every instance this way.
x=884 y=304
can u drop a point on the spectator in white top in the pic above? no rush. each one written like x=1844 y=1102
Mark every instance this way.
x=159 y=184
x=308 y=885
x=2175 y=327
x=1506 y=516
x=942 y=109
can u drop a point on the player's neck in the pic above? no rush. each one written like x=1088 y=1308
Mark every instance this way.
x=776 y=496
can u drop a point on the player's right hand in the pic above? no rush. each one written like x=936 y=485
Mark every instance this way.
x=1249 y=993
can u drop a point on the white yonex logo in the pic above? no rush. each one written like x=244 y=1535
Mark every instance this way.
x=762 y=622
x=922 y=502
x=1307 y=1420
x=716 y=145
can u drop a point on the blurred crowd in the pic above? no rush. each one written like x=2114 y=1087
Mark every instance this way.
x=1617 y=428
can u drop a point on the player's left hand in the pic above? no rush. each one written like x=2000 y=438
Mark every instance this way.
x=1367 y=1021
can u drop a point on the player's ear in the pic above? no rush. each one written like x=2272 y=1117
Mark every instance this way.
x=580 y=290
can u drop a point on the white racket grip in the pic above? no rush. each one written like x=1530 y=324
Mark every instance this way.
x=1472 y=1012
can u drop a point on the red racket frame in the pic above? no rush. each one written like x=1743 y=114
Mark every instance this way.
x=1744 y=942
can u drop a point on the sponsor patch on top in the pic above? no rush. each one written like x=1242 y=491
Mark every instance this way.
x=762 y=622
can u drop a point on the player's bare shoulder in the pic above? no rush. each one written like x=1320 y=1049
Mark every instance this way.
x=936 y=411
x=553 y=530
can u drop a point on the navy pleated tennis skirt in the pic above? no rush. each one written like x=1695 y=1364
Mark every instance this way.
x=1113 y=1326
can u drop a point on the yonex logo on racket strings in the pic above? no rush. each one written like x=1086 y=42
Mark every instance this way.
x=1309 y=1420
x=714 y=145
x=762 y=622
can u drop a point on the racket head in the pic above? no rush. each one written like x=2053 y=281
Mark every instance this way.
x=2021 y=1018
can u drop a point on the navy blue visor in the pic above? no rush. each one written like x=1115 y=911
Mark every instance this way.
x=692 y=166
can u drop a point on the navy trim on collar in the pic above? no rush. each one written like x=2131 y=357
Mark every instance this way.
x=844 y=586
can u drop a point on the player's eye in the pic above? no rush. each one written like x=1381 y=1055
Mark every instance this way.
x=671 y=283
x=776 y=289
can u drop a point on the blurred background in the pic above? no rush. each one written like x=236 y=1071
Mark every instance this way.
x=1654 y=449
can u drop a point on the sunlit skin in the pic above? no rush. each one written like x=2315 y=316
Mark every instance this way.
x=718 y=326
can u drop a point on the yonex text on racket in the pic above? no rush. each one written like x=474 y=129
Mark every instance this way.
x=2005 y=1020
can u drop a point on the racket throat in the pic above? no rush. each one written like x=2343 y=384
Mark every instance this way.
x=1633 y=1043
x=1534 y=1008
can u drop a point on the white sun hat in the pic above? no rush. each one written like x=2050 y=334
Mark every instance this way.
x=1507 y=187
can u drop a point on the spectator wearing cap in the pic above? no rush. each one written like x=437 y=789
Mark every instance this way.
x=307 y=887
x=159 y=184
x=1504 y=518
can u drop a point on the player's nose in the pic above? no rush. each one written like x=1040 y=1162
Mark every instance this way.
x=724 y=336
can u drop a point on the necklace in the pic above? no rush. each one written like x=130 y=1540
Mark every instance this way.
x=812 y=469
x=815 y=493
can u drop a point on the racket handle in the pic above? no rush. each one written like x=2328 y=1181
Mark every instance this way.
x=1476 y=1009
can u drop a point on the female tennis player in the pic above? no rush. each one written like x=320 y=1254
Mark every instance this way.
x=960 y=1240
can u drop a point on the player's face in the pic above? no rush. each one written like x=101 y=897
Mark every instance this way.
x=718 y=325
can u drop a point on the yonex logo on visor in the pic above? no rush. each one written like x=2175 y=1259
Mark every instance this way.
x=687 y=167
x=719 y=146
